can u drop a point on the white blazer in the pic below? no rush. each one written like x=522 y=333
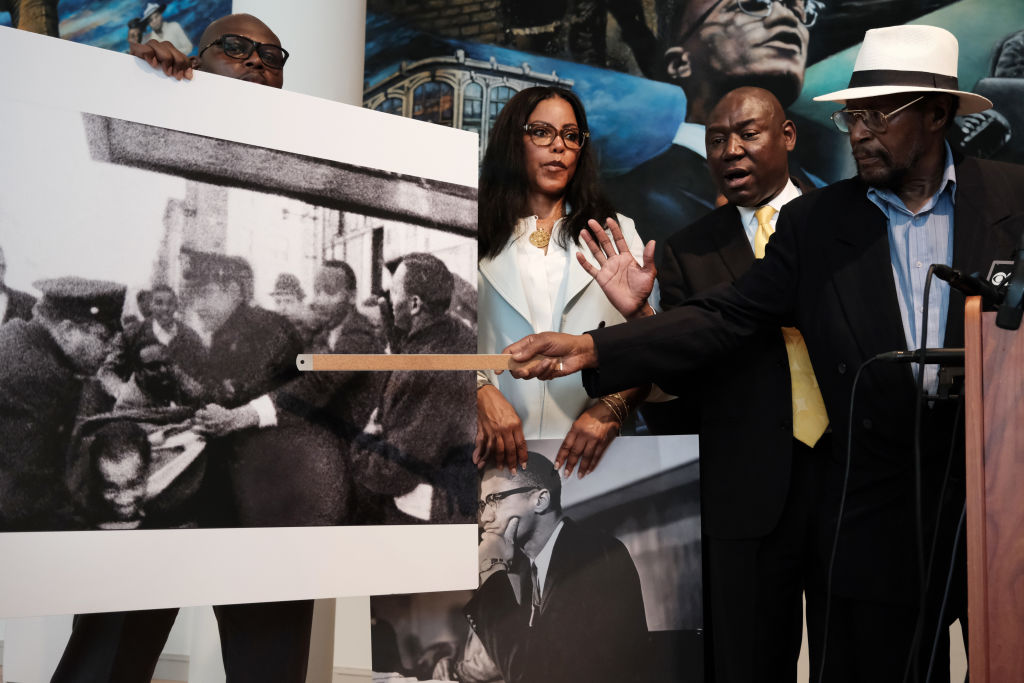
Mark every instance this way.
x=547 y=408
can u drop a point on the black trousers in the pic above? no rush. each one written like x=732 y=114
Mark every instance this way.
x=754 y=587
x=873 y=642
x=259 y=642
x=870 y=642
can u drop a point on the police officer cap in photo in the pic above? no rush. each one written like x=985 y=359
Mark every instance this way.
x=82 y=301
x=910 y=58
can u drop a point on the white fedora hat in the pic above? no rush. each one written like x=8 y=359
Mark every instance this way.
x=909 y=58
x=152 y=8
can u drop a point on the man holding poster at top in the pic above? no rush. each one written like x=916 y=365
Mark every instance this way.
x=260 y=641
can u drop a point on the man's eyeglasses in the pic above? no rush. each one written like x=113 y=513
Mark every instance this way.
x=876 y=121
x=492 y=499
x=807 y=11
x=240 y=47
x=543 y=134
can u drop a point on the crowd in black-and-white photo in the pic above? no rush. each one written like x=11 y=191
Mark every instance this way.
x=187 y=409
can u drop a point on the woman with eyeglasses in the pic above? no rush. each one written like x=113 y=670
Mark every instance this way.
x=538 y=190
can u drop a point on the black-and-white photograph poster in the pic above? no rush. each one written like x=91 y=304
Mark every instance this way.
x=167 y=250
x=602 y=582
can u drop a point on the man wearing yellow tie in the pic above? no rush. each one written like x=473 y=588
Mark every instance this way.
x=847 y=266
x=760 y=414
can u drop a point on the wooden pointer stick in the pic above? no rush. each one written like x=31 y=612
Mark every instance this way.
x=411 y=361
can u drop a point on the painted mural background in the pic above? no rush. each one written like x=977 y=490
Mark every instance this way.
x=457 y=62
x=648 y=71
x=105 y=24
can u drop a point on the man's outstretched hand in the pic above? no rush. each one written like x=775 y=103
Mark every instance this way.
x=162 y=55
x=626 y=283
x=548 y=355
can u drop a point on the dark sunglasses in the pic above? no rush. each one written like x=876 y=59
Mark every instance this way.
x=240 y=47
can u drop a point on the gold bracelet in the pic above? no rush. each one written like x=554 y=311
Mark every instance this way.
x=613 y=408
x=622 y=401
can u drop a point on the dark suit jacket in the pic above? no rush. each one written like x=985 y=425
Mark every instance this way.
x=19 y=305
x=668 y=192
x=827 y=272
x=744 y=404
x=289 y=475
x=591 y=626
x=251 y=353
x=664 y=193
x=340 y=400
x=186 y=348
x=39 y=399
x=428 y=428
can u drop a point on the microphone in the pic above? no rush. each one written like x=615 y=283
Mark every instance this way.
x=1010 y=310
x=952 y=356
x=970 y=285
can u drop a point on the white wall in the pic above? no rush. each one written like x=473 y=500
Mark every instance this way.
x=326 y=40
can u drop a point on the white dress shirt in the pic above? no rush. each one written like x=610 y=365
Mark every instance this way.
x=544 y=274
x=543 y=559
x=788 y=193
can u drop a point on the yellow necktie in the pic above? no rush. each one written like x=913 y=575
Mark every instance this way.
x=809 y=415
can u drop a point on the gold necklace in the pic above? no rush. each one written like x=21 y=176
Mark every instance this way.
x=540 y=237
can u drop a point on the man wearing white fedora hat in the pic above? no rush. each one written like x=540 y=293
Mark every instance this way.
x=169 y=31
x=847 y=266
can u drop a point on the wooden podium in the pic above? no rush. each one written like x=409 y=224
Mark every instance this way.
x=995 y=496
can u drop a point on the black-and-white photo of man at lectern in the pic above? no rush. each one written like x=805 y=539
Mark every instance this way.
x=156 y=256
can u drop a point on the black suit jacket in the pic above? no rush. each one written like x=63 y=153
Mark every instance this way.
x=289 y=475
x=591 y=625
x=670 y=191
x=827 y=272
x=428 y=426
x=39 y=399
x=342 y=401
x=19 y=305
x=744 y=403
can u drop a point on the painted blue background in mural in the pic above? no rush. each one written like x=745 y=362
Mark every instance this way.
x=105 y=24
x=613 y=100
x=633 y=119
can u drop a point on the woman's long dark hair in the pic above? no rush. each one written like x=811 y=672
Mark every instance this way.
x=504 y=185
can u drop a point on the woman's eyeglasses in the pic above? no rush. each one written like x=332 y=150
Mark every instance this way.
x=543 y=134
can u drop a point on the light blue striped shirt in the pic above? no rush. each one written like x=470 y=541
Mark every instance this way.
x=915 y=242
